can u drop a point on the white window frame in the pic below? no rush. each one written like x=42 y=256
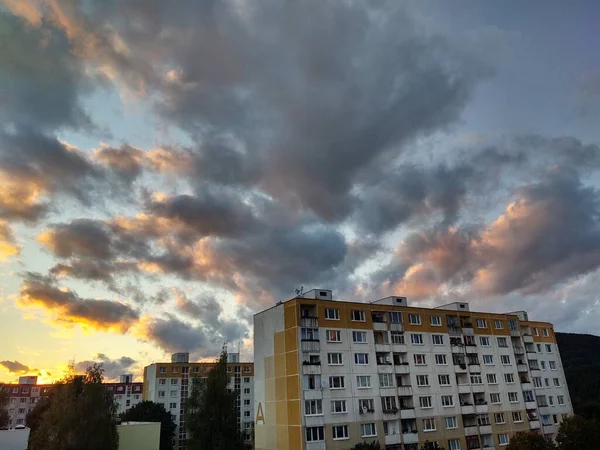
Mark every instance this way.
x=425 y=402
x=340 y=378
x=336 y=333
x=435 y=321
x=493 y=377
x=422 y=357
x=427 y=423
x=490 y=360
x=446 y=377
x=453 y=423
x=312 y=431
x=360 y=379
x=337 y=356
x=552 y=365
x=445 y=399
x=484 y=341
x=397 y=338
x=548 y=348
x=389 y=380
x=423 y=377
x=395 y=315
x=545 y=332
x=515 y=395
x=359 y=333
x=372 y=432
x=560 y=399
x=414 y=319
x=498 y=322
x=481 y=323
x=313 y=405
x=519 y=415
x=334 y=316
x=361 y=315
x=509 y=378
x=361 y=359
x=497 y=396
x=504 y=340
x=416 y=339
x=501 y=416
x=503 y=439
x=336 y=435
x=505 y=360
x=339 y=407
x=442 y=358
x=454 y=444
x=439 y=338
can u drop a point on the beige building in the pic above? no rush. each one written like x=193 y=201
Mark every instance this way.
x=330 y=374
x=169 y=384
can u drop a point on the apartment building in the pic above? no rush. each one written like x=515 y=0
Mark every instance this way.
x=169 y=384
x=330 y=374
x=24 y=396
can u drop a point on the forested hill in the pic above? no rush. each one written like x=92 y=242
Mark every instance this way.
x=580 y=354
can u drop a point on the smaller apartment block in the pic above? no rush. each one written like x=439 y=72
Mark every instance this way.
x=24 y=396
x=330 y=374
x=169 y=384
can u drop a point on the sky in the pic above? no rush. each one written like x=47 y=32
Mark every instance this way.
x=170 y=168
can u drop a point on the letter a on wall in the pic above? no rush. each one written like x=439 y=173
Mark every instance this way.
x=259 y=414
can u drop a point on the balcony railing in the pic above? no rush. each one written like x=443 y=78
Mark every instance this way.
x=309 y=322
x=310 y=345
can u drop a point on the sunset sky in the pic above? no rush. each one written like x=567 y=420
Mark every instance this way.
x=169 y=168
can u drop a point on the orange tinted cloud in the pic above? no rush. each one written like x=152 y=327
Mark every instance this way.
x=8 y=247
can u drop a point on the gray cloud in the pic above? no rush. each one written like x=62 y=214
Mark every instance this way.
x=113 y=368
x=173 y=335
x=16 y=367
x=126 y=161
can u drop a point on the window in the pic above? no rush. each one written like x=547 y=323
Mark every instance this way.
x=414 y=319
x=416 y=339
x=359 y=337
x=488 y=360
x=548 y=348
x=440 y=360
x=246 y=390
x=174 y=381
x=481 y=323
x=495 y=398
x=528 y=396
x=513 y=397
x=338 y=407
x=435 y=321
x=308 y=334
x=536 y=332
x=420 y=359
x=336 y=382
x=23 y=400
x=499 y=418
x=162 y=370
x=19 y=421
x=21 y=410
x=172 y=405
x=314 y=434
x=551 y=364
x=386 y=380
x=357 y=315
x=447 y=401
x=517 y=417
x=539 y=348
x=491 y=378
x=437 y=339
x=174 y=393
x=551 y=400
x=361 y=359
x=313 y=408
x=161 y=394
x=332 y=314
x=425 y=402
x=395 y=317
x=246 y=413
x=503 y=439
x=363 y=381
x=137 y=397
x=498 y=324
x=454 y=444
x=334 y=359
x=176 y=369
x=429 y=424
x=556 y=382
x=366 y=404
x=451 y=423
x=340 y=432
x=484 y=341
x=247 y=369
x=561 y=399
x=333 y=336
x=505 y=359
x=537 y=382
x=368 y=430
x=502 y=342
x=422 y=380
x=397 y=337
x=246 y=379
x=444 y=380
x=476 y=378
x=162 y=381
x=545 y=332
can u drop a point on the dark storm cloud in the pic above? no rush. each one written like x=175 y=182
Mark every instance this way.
x=172 y=335
x=16 y=367
x=113 y=368
x=40 y=291
x=81 y=237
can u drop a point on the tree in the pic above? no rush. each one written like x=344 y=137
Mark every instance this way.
x=431 y=446
x=373 y=445
x=78 y=415
x=4 y=399
x=530 y=441
x=148 y=411
x=576 y=433
x=211 y=416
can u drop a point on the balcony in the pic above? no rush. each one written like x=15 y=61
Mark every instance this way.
x=519 y=351
x=526 y=386
x=392 y=439
x=474 y=368
x=402 y=368
x=478 y=387
x=410 y=437
x=454 y=331
x=314 y=421
x=316 y=446
x=472 y=430
x=534 y=424
x=390 y=411
x=481 y=409
x=309 y=322
x=464 y=388
x=387 y=392
x=467 y=409
x=399 y=348
x=405 y=390
x=530 y=405
x=468 y=331
x=548 y=429
x=380 y=326
x=485 y=429
x=313 y=394
x=311 y=369
x=310 y=345
x=460 y=368
x=396 y=327
x=382 y=347
x=407 y=413
x=528 y=339
x=522 y=368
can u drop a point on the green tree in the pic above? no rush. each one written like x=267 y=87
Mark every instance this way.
x=431 y=446
x=4 y=399
x=79 y=415
x=373 y=445
x=530 y=441
x=148 y=411
x=211 y=416
x=576 y=433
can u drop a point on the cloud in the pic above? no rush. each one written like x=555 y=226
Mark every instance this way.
x=173 y=335
x=113 y=368
x=8 y=246
x=16 y=367
x=126 y=161
x=82 y=237
x=67 y=307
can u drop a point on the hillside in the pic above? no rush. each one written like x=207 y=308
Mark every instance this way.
x=580 y=354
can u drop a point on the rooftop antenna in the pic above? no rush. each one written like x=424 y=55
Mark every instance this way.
x=300 y=291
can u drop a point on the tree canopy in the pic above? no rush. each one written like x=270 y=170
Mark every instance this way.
x=148 y=411
x=373 y=445
x=211 y=416
x=4 y=399
x=78 y=415
x=530 y=441
x=576 y=433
